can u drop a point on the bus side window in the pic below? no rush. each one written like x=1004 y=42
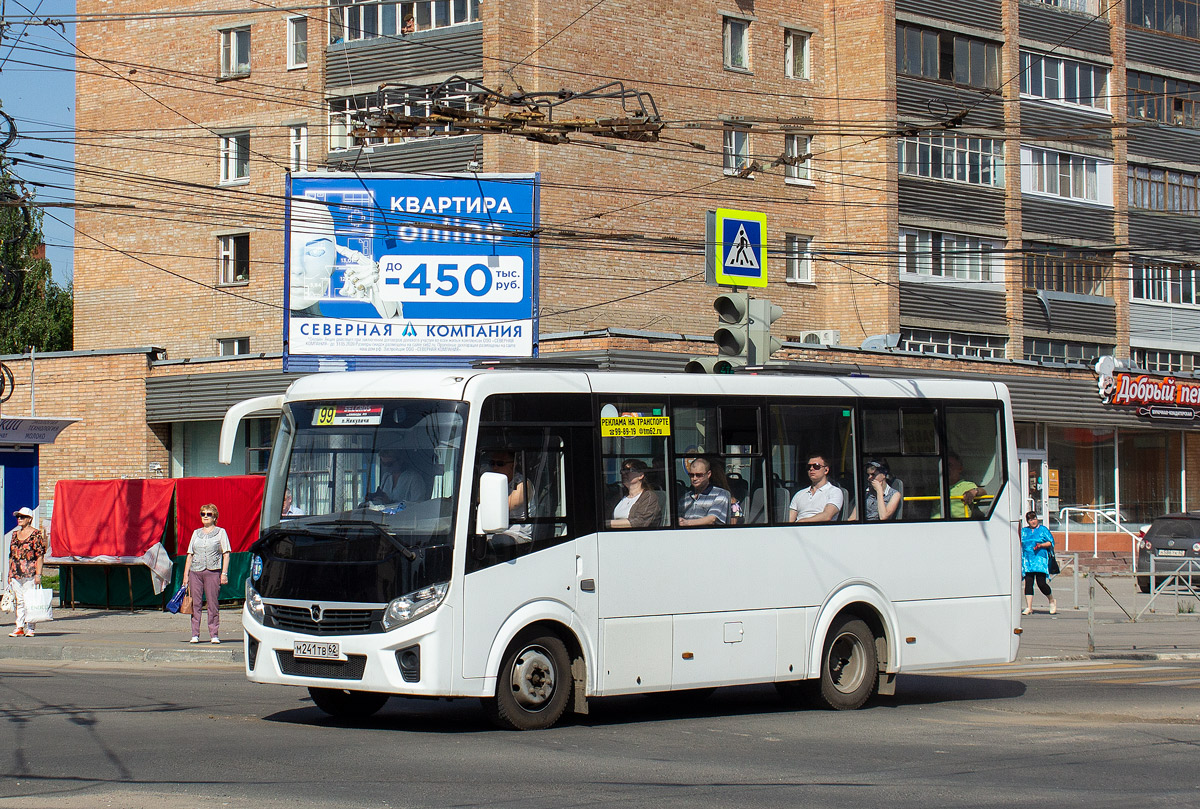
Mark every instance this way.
x=801 y=432
x=904 y=437
x=633 y=461
x=973 y=436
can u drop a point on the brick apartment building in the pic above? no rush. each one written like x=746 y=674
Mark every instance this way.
x=998 y=188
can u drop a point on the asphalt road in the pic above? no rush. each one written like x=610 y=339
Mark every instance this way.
x=1087 y=733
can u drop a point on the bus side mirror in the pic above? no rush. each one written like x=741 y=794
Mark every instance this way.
x=492 y=516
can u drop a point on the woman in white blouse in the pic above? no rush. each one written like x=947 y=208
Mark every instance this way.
x=206 y=569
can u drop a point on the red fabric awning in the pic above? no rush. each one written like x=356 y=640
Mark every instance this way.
x=109 y=517
x=238 y=500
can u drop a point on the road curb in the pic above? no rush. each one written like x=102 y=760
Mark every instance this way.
x=214 y=657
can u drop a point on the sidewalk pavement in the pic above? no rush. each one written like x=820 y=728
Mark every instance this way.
x=151 y=636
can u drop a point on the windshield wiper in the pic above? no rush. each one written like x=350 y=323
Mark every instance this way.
x=406 y=551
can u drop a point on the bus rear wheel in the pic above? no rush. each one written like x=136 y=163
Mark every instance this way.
x=534 y=684
x=345 y=704
x=849 y=673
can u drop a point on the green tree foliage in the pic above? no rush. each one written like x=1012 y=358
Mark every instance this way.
x=43 y=316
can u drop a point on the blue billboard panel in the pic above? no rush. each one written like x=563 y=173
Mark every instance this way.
x=393 y=270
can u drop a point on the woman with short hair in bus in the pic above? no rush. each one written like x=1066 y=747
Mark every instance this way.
x=639 y=508
x=882 y=501
x=1037 y=543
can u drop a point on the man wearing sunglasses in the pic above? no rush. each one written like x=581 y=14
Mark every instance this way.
x=705 y=504
x=820 y=502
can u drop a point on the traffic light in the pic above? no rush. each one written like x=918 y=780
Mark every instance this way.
x=733 y=334
x=762 y=344
x=712 y=365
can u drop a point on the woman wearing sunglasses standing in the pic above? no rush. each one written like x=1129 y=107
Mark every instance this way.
x=27 y=548
x=206 y=569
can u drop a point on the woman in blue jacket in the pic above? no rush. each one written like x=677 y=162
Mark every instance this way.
x=1037 y=543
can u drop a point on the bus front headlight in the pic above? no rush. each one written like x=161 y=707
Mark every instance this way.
x=413 y=605
x=254 y=602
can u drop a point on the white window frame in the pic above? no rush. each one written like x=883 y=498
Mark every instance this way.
x=1044 y=172
x=798 y=258
x=228 y=255
x=736 y=150
x=954 y=159
x=960 y=257
x=356 y=20
x=233 y=346
x=294 y=24
x=736 y=49
x=953 y=343
x=298 y=147
x=795 y=146
x=235 y=158
x=1046 y=77
x=793 y=39
x=1166 y=283
x=235 y=43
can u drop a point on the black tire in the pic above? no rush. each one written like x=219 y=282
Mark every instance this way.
x=345 y=704
x=849 y=668
x=534 y=684
x=1143 y=584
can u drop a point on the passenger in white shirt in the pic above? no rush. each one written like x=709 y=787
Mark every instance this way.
x=821 y=502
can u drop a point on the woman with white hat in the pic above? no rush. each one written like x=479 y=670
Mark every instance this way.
x=27 y=549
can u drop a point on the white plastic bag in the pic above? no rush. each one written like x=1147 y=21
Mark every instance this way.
x=38 y=605
x=8 y=602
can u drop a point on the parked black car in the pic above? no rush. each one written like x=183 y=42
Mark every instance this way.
x=1172 y=539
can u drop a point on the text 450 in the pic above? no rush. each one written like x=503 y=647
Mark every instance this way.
x=494 y=279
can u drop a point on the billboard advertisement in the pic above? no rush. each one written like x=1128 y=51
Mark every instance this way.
x=396 y=270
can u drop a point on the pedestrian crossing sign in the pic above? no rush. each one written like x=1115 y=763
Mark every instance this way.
x=739 y=247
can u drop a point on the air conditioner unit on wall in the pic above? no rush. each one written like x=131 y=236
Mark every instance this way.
x=827 y=337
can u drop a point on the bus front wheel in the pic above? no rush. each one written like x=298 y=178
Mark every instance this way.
x=848 y=665
x=534 y=683
x=347 y=704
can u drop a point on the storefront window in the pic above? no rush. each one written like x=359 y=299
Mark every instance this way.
x=1083 y=457
x=1150 y=474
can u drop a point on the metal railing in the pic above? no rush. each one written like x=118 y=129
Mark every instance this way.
x=1064 y=519
x=1181 y=575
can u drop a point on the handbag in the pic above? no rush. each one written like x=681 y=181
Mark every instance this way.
x=38 y=605
x=185 y=608
x=8 y=602
x=174 y=605
x=1053 y=565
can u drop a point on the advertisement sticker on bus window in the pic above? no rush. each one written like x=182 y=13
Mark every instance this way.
x=347 y=415
x=635 y=426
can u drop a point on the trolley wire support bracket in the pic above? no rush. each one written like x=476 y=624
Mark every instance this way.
x=463 y=106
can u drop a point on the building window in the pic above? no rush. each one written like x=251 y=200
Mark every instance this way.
x=956 y=256
x=1179 y=17
x=799 y=259
x=1064 y=80
x=798 y=165
x=1038 y=349
x=298 y=147
x=233 y=259
x=737 y=150
x=979 y=161
x=947 y=57
x=408 y=102
x=1157 y=98
x=953 y=343
x=1083 y=6
x=235 y=157
x=1153 y=189
x=233 y=346
x=352 y=20
x=795 y=49
x=1071 y=176
x=1077 y=272
x=1164 y=362
x=297 y=42
x=1164 y=282
x=737 y=43
x=235 y=52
